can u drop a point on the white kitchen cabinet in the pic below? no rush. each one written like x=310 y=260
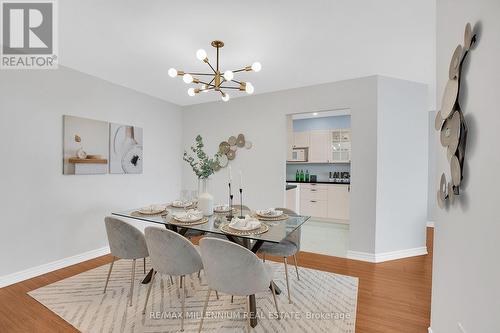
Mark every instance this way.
x=313 y=200
x=289 y=137
x=301 y=139
x=340 y=151
x=291 y=199
x=319 y=149
x=338 y=202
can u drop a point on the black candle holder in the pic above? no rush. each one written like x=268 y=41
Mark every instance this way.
x=241 y=204
x=230 y=215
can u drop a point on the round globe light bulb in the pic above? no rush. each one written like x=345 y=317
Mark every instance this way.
x=225 y=97
x=249 y=88
x=256 y=66
x=188 y=78
x=201 y=54
x=191 y=92
x=228 y=75
x=172 y=72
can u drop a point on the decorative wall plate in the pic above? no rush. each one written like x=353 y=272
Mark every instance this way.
x=231 y=154
x=224 y=147
x=232 y=140
x=454 y=130
x=449 y=98
x=455 y=63
x=240 y=141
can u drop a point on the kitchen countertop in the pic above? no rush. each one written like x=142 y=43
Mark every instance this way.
x=318 y=182
x=290 y=187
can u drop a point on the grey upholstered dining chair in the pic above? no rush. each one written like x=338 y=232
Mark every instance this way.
x=286 y=248
x=174 y=255
x=232 y=269
x=125 y=242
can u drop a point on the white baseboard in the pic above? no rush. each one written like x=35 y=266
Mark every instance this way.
x=51 y=266
x=386 y=256
x=430 y=224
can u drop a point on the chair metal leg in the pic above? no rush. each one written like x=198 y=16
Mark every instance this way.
x=149 y=292
x=217 y=295
x=296 y=268
x=249 y=324
x=287 y=283
x=132 y=282
x=199 y=274
x=204 y=309
x=109 y=274
x=232 y=297
x=144 y=265
x=183 y=304
x=171 y=280
x=274 y=298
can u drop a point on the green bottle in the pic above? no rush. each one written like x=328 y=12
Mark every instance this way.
x=301 y=175
x=307 y=176
x=297 y=176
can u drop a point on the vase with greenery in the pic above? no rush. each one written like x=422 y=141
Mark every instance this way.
x=203 y=166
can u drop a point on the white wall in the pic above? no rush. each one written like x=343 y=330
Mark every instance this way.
x=47 y=216
x=262 y=119
x=402 y=134
x=466 y=270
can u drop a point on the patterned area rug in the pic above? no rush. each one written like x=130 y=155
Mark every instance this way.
x=322 y=302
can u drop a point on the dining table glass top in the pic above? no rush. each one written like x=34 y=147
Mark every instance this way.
x=278 y=230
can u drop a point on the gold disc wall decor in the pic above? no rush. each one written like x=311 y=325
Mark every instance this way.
x=451 y=123
x=227 y=149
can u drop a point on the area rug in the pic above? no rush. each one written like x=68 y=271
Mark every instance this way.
x=321 y=302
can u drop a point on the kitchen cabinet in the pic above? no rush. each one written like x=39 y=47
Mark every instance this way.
x=340 y=146
x=301 y=139
x=329 y=201
x=289 y=137
x=313 y=200
x=291 y=199
x=338 y=202
x=320 y=147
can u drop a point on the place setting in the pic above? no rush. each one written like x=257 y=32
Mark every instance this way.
x=270 y=214
x=188 y=218
x=244 y=226
x=151 y=210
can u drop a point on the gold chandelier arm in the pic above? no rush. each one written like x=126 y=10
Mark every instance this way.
x=227 y=87
x=208 y=63
x=211 y=74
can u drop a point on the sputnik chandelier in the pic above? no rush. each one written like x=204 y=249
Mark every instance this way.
x=219 y=81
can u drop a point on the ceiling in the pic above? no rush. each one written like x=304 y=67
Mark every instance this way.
x=299 y=43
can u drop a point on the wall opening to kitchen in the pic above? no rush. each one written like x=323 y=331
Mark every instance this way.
x=318 y=174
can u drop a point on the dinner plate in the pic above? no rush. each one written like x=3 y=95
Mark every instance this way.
x=182 y=204
x=188 y=217
x=152 y=210
x=222 y=209
x=234 y=227
x=276 y=213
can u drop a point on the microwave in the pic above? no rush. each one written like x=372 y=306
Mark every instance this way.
x=299 y=154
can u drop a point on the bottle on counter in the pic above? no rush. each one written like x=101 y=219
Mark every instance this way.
x=301 y=177
x=307 y=176
x=297 y=176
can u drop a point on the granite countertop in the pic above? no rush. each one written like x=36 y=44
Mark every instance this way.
x=318 y=182
x=290 y=187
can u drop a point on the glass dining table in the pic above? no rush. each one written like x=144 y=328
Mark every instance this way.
x=277 y=231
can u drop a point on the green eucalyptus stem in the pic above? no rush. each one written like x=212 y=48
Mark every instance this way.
x=202 y=165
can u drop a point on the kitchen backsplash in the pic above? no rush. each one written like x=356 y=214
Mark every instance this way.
x=320 y=170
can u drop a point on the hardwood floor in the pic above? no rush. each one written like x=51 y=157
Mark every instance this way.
x=394 y=296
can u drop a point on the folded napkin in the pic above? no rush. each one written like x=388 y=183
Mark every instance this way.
x=222 y=208
x=152 y=209
x=182 y=203
x=270 y=212
x=247 y=223
x=190 y=215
